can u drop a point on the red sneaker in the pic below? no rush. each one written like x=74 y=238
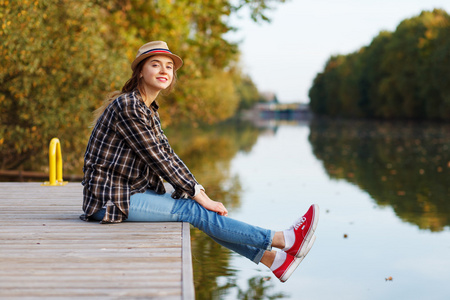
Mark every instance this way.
x=304 y=230
x=287 y=268
x=291 y=263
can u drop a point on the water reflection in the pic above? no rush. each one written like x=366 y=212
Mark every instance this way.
x=208 y=152
x=210 y=262
x=400 y=165
x=259 y=289
x=403 y=165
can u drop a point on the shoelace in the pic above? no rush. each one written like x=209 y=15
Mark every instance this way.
x=298 y=223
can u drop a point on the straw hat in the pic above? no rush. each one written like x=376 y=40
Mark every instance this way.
x=156 y=48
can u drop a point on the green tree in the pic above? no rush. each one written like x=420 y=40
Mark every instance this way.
x=402 y=63
x=434 y=73
x=370 y=102
x=247 y=92
x=399 y=75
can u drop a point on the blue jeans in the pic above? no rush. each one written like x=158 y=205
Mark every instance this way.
x=247 y=240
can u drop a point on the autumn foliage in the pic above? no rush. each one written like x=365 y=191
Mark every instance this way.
x=59 y=59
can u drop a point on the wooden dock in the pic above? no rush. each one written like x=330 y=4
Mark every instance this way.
x=46 y=251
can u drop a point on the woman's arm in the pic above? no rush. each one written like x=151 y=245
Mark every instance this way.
x=209 y=204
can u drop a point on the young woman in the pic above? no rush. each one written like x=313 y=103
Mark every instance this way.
x=128 y=157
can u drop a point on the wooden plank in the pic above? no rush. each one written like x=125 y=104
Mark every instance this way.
x=46 y=251
x=33 y=267
x=187 y=275
x=93 y=293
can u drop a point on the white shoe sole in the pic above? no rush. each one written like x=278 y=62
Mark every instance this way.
x=297 y=261
x=310 y=244
x=290 y=270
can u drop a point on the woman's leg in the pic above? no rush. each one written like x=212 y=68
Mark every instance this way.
x=247 y=240
x=151 y=207
x=252 y=253
x=263 y=256
x=252 y=242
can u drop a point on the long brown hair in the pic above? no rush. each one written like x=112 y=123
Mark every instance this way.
x=135 y=82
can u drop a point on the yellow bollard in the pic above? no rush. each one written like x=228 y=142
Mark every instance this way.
x=55 y=165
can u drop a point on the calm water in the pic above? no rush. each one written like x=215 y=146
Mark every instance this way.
x=384 y=194
x=383 y=190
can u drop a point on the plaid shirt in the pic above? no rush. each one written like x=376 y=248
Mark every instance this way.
x=128 y=153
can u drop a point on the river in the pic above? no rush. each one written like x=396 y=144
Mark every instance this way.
x=384 y=194
x=382 y=188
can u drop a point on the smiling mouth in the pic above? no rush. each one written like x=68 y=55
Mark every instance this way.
x=162 y=78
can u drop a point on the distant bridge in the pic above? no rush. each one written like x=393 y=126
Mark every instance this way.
x=274 y=111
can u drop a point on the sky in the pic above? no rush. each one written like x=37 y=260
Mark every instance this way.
x=285 y=55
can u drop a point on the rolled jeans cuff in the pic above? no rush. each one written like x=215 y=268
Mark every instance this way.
x=268 y=245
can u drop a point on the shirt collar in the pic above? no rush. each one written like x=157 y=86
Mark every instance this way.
x=154 y=106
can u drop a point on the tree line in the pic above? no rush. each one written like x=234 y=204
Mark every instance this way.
x=400 y=75
x=59 y=59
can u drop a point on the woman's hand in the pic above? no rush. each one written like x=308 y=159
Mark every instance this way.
x=211 y=205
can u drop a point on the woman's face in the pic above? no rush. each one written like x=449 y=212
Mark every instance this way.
x=157 y=73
